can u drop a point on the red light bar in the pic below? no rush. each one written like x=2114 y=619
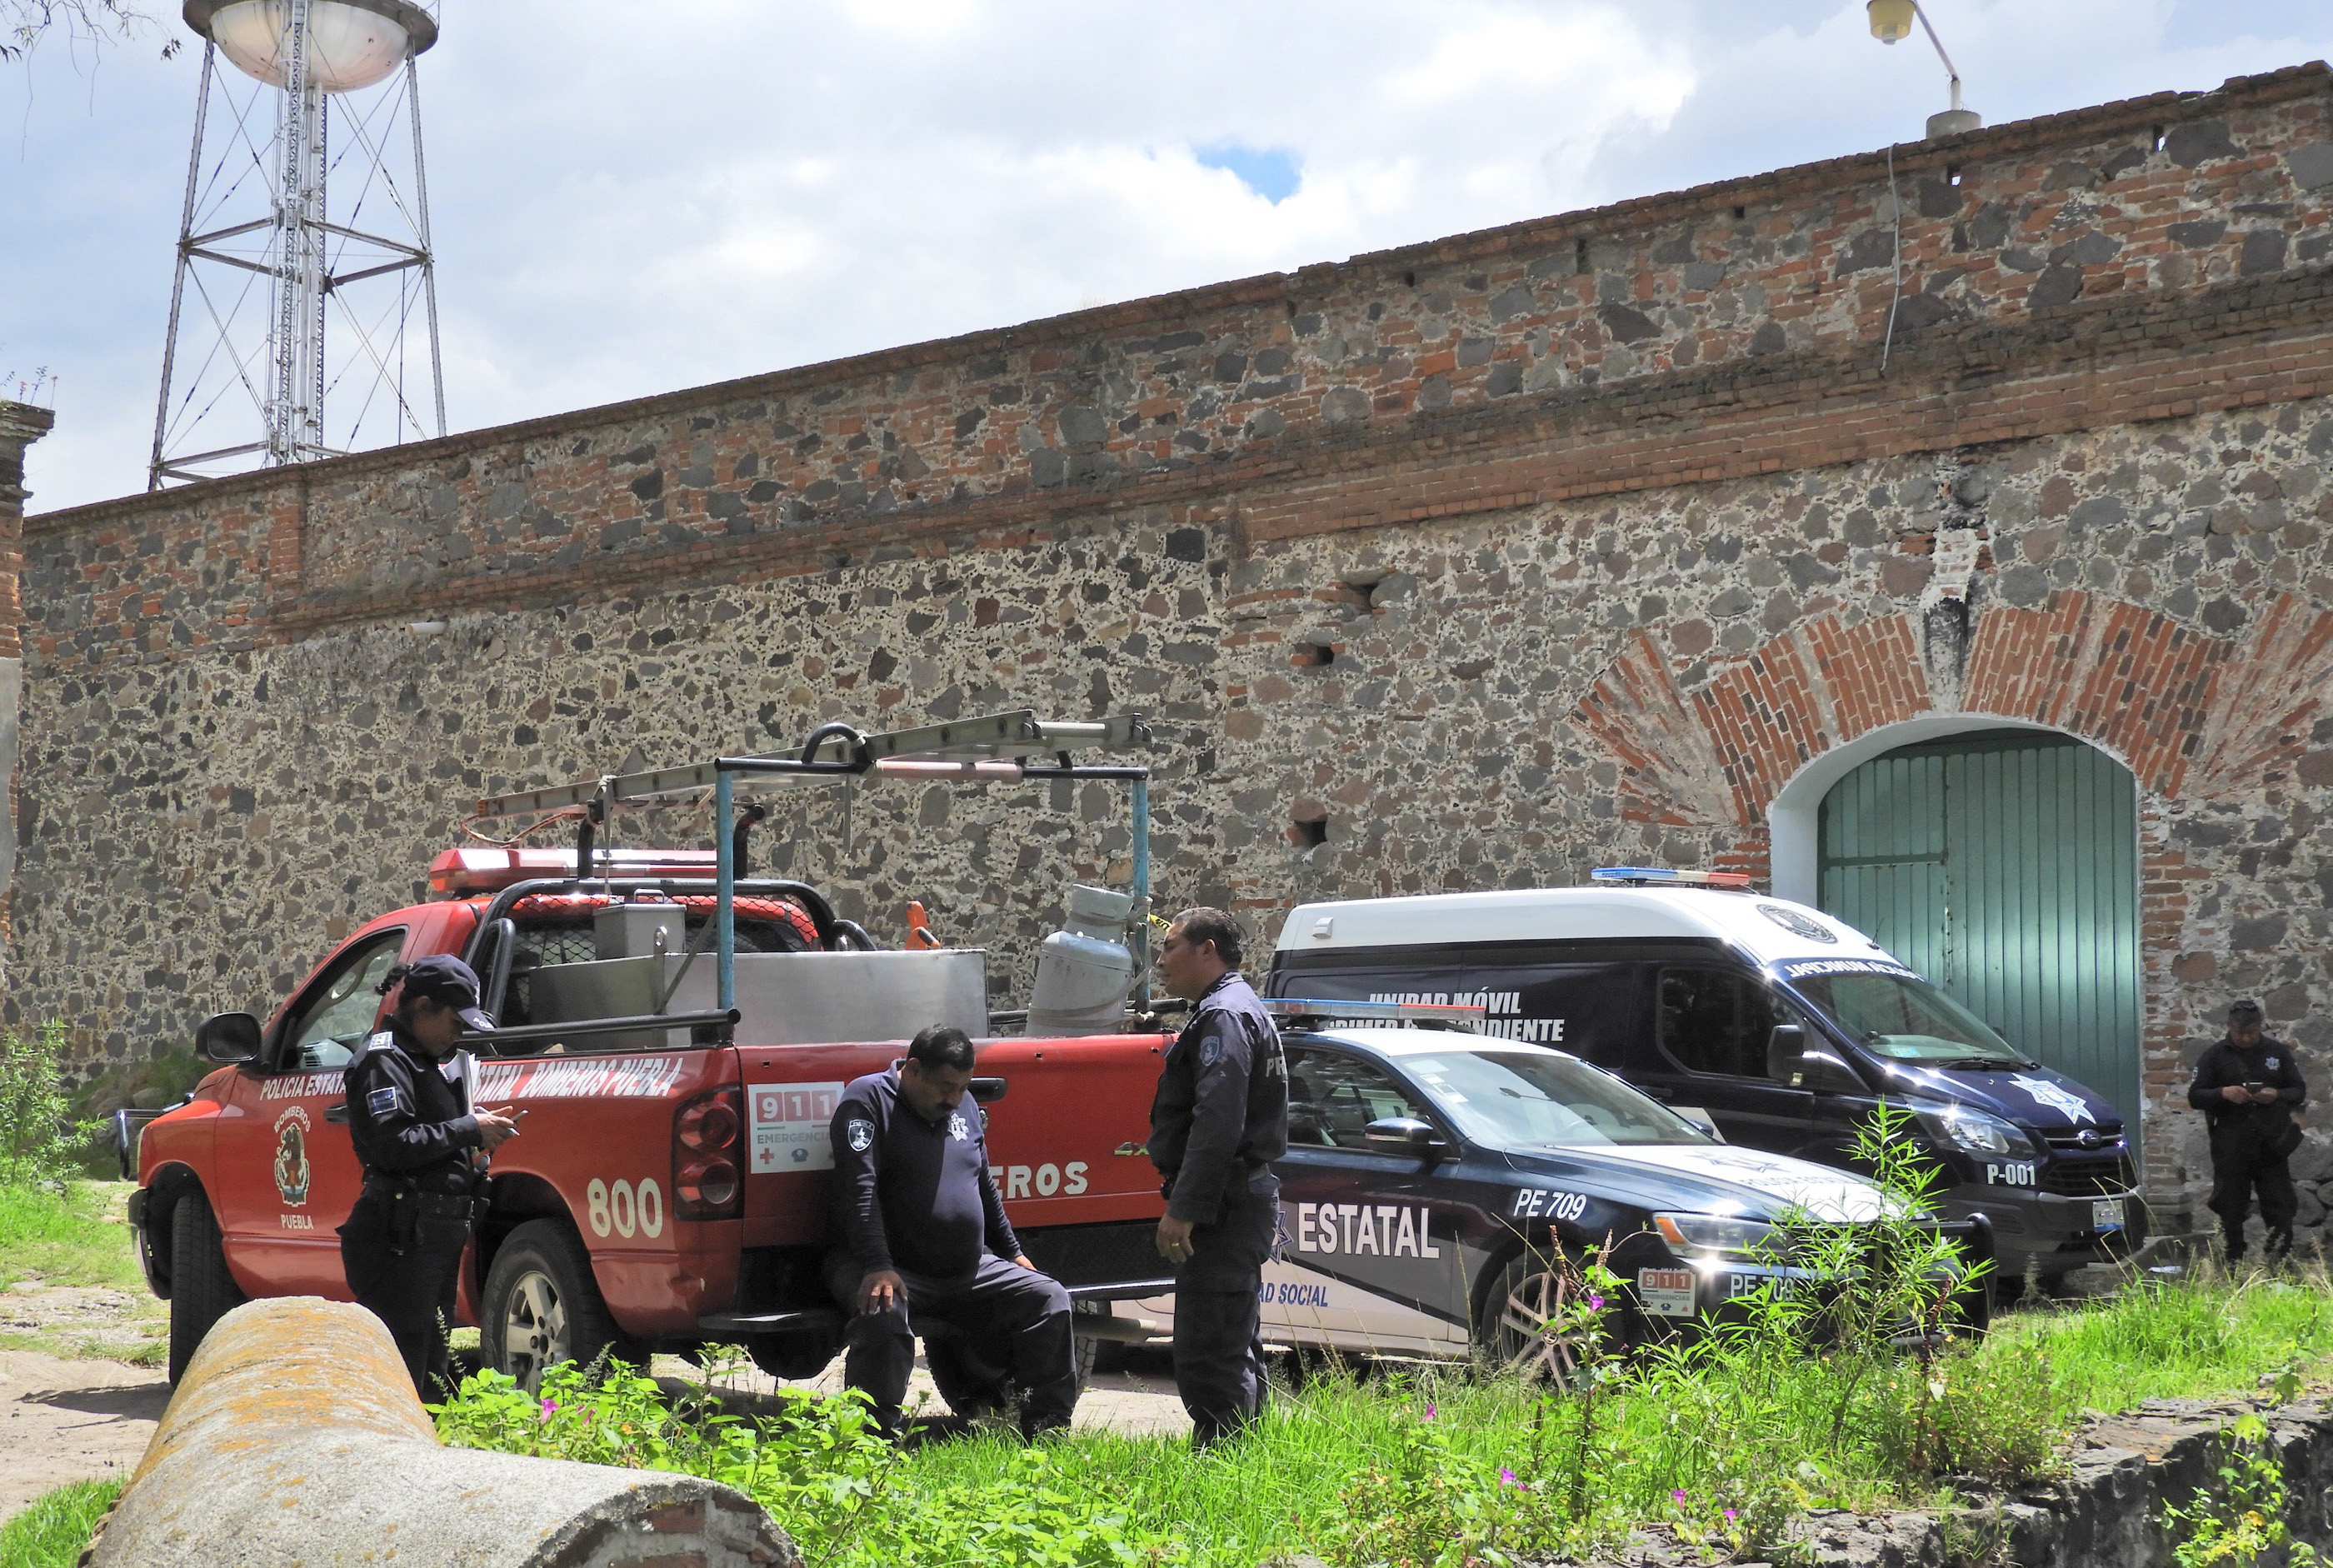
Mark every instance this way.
x=470 y=869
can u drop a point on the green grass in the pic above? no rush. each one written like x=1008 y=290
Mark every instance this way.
x=78 y=1240
x=1413 y=1465
x=51 y=1531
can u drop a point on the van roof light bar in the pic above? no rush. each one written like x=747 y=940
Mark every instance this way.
x=839 y=751
x=1645 y=876
x=1345 y=1011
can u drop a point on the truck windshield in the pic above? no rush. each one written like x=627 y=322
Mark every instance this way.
x=1906 y=1019
x=1523 y=1099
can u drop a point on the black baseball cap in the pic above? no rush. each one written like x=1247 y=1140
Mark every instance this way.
x=445 y=979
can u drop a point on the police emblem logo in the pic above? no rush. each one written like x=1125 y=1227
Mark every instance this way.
x=381 y=1103
x=2271 y=1063
x=860 y=1134
x=958 y=1128
x=1210 y=1050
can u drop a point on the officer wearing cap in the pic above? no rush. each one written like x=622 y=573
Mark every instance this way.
x=415 y=1134
x=2248 y=1086
x=1218 y=1120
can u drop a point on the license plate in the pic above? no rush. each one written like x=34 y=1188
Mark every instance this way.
x=1665 y=1292
x=2105 y=1213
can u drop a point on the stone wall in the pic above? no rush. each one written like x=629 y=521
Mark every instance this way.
x=1471 y=564
x=21 y=425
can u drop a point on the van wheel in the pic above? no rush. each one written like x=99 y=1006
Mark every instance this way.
x=1519 y=1328
x=202 y=1291
x=542 y=1307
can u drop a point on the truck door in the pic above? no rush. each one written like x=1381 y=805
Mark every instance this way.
x=1372 y=1261
x=285 y=1176
x=1711 y=1026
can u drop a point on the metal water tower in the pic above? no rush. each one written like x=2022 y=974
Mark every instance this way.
x=285 y=302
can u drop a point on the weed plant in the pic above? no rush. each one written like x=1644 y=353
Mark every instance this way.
x=40 y=1144
x=1853 y=1389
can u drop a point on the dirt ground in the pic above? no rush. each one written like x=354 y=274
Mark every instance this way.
x=71 y=1420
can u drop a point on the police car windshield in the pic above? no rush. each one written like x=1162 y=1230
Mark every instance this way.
x=1906 y=1019
x=1521 y=1099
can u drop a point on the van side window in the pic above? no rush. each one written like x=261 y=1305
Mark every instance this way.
x=1332 y=1099
x=1716 y=1021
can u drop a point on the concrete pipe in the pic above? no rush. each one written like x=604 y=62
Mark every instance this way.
x=295 y=1438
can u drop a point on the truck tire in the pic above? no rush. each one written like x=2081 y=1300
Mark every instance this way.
x=542 y=1306
x=202 y=1291
x=1510 y=1334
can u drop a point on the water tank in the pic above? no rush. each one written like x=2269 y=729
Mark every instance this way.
x=1084 y=972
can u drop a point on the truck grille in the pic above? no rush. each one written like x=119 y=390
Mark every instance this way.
x=1083 y=1255
x=2089 y=1178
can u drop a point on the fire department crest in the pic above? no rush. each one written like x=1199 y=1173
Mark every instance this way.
x=292 y=1155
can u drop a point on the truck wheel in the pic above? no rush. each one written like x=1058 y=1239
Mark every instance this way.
x=542 y=1307
x=202 y=1291
x=1515 y=1332
x=1088 y=1352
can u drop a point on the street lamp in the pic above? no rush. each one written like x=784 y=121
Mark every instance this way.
x=1892 y=19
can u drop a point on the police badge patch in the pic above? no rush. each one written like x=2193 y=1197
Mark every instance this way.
x=958 y=1128
x=1210 y=1050
x=860 y=1134
x=381 y=1103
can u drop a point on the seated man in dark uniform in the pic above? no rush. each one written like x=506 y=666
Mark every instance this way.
x=924 y=1239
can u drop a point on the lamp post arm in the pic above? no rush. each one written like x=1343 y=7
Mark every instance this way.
x=1950 y=69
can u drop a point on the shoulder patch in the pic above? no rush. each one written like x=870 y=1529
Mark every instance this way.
x=381 y=1103
x=1211 y=1049
x=860 y=1135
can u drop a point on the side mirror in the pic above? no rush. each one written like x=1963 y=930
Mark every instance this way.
x=1404 y=1135
x=228 y=1038
x=1786 y=1051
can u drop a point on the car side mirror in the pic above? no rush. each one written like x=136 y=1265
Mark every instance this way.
x=1786 y=1052
x=1404 y=1134
x=228 y=1038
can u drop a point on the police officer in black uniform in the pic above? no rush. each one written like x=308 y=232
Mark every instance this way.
x=2248 y=1086
x=1219 y=1120
x=415 y=1134
x=925 y=1246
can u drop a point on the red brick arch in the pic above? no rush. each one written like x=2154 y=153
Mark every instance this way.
x=2193 y=715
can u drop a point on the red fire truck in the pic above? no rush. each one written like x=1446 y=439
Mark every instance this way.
x=678 y=1031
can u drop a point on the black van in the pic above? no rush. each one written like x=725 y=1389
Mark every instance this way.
x=1766 y=1020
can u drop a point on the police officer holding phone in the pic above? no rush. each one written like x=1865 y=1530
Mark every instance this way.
x=415 y=1134
x=2248 y=1086
x=1219 y=1120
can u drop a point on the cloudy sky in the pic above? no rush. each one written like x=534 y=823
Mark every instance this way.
x=632 y=197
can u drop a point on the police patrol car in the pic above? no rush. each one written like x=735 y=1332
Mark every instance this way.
x=1435 y=1180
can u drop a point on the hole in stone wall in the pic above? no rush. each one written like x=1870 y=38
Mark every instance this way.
x=1953 y=174
x=2160 y=136
x=1309 y=832
x=1579 y=257
x=1312 y=656
x=1410 y=279
x=1741 y=213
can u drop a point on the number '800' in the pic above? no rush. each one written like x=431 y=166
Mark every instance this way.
x=625 y=1210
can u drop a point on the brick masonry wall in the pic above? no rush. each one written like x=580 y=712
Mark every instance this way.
x=21 y=425
x=1471 y=565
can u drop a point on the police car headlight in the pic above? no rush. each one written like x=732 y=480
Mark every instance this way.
x=1974 y=1132
x=1720 y=1232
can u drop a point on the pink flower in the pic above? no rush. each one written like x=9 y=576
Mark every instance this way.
x=1429 y=1412
x=1729 y=1515
x=1595 y=1304
x=1679 y=1496
x=549 y=1405
x=1507 y=1477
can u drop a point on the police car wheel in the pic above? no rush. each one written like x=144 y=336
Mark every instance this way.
x=541 y=1306
x=1521 y=1329
x=202 y=1291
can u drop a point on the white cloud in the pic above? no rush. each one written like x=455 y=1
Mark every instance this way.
x=628 y=201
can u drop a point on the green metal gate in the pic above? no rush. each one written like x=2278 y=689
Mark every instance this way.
x=2005 y=869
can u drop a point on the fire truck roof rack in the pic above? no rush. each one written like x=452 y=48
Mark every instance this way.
x=994 y=748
